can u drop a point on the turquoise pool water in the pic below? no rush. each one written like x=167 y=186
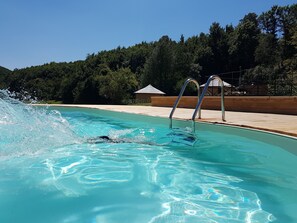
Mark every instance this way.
x=53 y=169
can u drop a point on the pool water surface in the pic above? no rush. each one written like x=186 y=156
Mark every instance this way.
x=55 y=168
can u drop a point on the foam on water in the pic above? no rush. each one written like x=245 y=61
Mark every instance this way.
x=29 y=130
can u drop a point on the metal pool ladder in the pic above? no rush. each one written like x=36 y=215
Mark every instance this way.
x=200 y=98
x=181 y=94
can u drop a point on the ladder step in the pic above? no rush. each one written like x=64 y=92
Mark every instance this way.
x=200 y=98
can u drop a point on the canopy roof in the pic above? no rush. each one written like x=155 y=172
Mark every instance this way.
x=216 y=83
x=149 y=90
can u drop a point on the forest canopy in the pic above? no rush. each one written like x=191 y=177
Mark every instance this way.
x=260 y=50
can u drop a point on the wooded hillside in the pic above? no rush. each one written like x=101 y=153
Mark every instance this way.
x=261 y=49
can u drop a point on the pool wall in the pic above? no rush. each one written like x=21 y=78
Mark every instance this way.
x=263 y=104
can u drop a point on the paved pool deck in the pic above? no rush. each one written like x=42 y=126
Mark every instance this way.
x=283 y=124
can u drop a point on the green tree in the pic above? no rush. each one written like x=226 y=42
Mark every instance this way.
x=202 y=54
x=264 y=53
x=268 y=22
x=4 y=72
x=158 y=70
x=219 y=46
x=119 y=86
x=287 y=22
x=182 y=64
x=244 y=41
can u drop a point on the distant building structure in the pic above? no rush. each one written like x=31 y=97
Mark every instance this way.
x=214 y=87
x=256 y=89
x=144 y=95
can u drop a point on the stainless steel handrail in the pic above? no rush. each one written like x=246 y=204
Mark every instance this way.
x=198 y=106
x=181 y=94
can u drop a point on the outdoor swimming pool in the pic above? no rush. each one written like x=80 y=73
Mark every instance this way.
x=53 y=168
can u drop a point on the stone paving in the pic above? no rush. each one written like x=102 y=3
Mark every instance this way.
x=284 y=124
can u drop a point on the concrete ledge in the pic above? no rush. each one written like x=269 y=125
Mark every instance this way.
x=263 y=104
x=283 y=124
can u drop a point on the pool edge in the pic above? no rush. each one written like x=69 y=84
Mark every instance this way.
x=115 y=109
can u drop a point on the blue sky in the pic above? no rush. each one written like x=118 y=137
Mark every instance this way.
x=34 y=32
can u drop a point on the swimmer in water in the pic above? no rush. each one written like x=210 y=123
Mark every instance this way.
x=106 y=139
x=103 y=139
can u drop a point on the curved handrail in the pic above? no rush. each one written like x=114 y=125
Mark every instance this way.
x=181 y=94
x=198 y=106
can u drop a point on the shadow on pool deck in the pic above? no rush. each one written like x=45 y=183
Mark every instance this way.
x=283 y=124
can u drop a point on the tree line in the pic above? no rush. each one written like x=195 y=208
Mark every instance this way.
x=263 y=46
